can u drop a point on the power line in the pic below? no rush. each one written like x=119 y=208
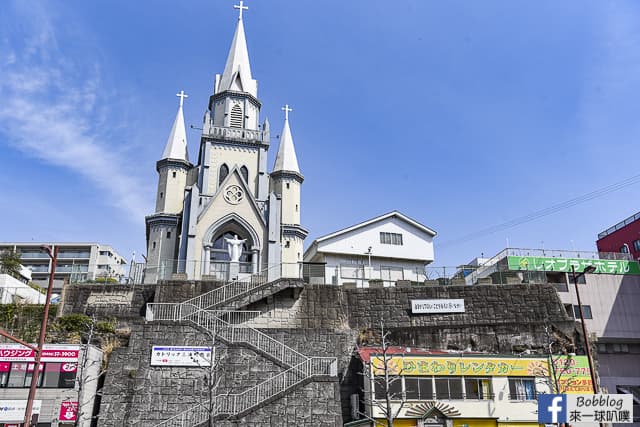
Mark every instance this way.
x=544 y=212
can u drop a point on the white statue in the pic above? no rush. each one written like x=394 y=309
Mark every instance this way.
x=235 y=247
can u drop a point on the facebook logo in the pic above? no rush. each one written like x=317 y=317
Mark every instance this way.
x=552 y=408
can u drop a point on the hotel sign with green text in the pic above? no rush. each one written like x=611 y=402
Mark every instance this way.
x=603 y=266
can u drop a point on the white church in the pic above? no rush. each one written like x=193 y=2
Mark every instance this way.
x=226 y=216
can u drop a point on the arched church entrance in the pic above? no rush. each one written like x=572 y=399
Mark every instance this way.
x=230 y=252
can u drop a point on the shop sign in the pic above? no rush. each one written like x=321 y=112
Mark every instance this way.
x=180 y=356
x=572 y=374
x=428 y=306
x=13 y=410
x=50 y=353
x=604 y=266
x=416 y=365
x=68 y=411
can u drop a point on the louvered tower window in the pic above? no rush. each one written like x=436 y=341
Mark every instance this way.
x=236 y=117
x=245 y=173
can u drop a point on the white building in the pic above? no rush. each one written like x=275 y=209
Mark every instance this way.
x=386 y=248
x=77 y=262
x=228 y=194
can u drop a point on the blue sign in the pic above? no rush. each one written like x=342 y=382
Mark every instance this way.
x=552 y=408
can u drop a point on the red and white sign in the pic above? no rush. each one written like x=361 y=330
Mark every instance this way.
x=50 y=353
x=68 y=411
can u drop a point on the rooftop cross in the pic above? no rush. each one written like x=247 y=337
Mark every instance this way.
x=182 y=96
x=286 y=110
x=242 y=7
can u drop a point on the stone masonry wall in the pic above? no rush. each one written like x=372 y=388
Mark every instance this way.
x=138 y=394
x=317 y=320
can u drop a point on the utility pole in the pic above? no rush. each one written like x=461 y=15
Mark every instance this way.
x=53 y=254
x=592 y=371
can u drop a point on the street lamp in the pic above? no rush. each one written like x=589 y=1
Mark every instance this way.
x=576 y=276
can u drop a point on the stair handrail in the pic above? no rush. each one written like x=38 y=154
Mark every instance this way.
x=205 y=318
x=258 y=393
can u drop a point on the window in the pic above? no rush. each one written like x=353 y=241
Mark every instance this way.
x=224 y=171
x=287 y=244
x=391 y=238
x=477 y=388
x=636 y=245
x=173 y=174
x=168 y=234
x=419 y=388
x=235 y=120
x=522 y=389
x=161 y=194
x=395 y=388
x=581 y=279
x=624 y=249
x=586 y=309
x=448 y=388
x=153 y=245
x=245 y=173
x=287 y=185
x=296 y=208
x=569 y=309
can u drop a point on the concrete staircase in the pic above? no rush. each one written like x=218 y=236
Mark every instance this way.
x=199 y=311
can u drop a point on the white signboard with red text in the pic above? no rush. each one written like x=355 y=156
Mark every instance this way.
x=50 y=353
x=180 y=356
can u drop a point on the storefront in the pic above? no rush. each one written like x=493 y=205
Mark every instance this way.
x=62 y=369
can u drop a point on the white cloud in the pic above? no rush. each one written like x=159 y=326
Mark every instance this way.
x=50 y=111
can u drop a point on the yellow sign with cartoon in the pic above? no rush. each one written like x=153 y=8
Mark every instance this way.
x=505 y=367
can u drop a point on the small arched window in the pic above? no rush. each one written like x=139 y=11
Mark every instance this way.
x=235 y=121
x=224 y=171
x=245 y=173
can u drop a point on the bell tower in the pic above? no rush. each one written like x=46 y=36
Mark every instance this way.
x=164 y=225
x=286 y=183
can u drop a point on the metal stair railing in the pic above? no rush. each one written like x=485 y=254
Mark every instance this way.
x=232 y=404
x=235 y=288
x=229 y=332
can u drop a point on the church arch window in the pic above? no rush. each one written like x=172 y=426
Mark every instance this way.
x=224 y=171
x=235 y=119
x=245 y=173
x=174 y=174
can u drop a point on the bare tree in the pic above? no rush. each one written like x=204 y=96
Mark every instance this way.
x=212 y=400
x=560 y=365
x=383 y=374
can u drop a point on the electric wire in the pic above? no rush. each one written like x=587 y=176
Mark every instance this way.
x=544 y=212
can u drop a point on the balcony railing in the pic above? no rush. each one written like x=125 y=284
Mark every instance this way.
x=221 y=132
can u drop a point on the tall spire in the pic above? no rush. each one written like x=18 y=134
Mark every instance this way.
x=286 y=159
x=237 y=71
x=176 y=147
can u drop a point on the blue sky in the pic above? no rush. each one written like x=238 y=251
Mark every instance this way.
x=460 y=114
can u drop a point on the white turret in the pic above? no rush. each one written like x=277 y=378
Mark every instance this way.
x=173 y=166
x=286 y=183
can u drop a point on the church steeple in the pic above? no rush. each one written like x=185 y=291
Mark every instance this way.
x=176 y=147
x=237 y=71
x=286 y=160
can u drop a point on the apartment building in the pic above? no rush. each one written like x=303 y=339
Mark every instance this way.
x=77 y=262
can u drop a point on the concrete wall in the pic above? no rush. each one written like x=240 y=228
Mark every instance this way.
x=614 y=300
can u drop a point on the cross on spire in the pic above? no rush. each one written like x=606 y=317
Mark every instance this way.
x=182 y=96
x=286 y=110
x=241 y=7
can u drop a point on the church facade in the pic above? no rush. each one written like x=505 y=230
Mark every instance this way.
x=226 y=216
